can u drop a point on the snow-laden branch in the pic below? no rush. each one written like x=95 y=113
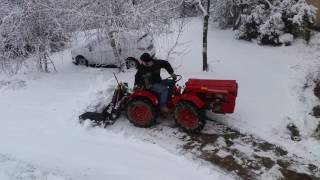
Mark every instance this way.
x=157 y=5
x=204 y=12
x=269 y=3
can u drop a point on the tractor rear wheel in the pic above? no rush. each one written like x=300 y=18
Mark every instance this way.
x=141 y=112
x=189 y=117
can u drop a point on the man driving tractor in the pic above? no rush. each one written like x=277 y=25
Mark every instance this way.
x=148 y=77
x=188 y=104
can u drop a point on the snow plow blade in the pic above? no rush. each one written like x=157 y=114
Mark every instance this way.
x=98 y=118
x=113 y=111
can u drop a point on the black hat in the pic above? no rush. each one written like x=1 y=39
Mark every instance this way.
x=146 y=57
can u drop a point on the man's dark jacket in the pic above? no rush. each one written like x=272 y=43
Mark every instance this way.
x=147 y=76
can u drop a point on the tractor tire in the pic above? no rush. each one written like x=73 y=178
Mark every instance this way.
x=188 y=117
x=132 y=63
x=80 y=60
x=141 y=112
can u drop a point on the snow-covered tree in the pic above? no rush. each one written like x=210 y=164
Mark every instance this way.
x=271 y=29
x=226 y=12
x=38 y=27
x=114 y=17
x=29 y=30
x=206 y=15
x=204 y=7
x=250 y=24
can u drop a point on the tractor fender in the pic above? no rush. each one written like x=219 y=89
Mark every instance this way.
x=190 y=98
x=146 y=94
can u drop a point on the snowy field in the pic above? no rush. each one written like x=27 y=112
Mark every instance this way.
x=41 y=138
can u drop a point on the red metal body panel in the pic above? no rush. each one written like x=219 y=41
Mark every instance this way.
x=146 y=94
x=229 y=105
x=215 y=86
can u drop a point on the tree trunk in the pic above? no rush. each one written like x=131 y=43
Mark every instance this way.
x=45 y=64
x=40 y=63
x=39 y=59
x=114 y=48
x=238 y=15
x=205 y=38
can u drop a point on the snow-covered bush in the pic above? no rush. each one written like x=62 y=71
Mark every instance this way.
x=251 y=23
x=190 y=9
x=268 y=20
x=303 y=17
x=271 y=29
x=286 y=39
x=223 y=12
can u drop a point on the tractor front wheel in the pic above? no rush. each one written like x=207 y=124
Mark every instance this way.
x=189 y=117
x=141 y=112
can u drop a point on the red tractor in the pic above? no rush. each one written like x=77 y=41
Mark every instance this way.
x=187 y=104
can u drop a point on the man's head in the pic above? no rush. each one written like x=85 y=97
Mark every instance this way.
x=146 y=59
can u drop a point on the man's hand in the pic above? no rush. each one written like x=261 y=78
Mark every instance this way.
x=174 y=77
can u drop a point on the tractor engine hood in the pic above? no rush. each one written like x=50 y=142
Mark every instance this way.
x=212 y=86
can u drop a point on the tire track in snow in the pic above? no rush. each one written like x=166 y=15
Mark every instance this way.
x=243 y=155
x=248 y=156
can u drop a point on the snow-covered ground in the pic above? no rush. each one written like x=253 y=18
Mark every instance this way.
x=41 y=138
x=39 y=129
x=270 y=79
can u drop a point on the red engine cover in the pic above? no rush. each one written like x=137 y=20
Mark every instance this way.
x=226 y=88
x=205 y=85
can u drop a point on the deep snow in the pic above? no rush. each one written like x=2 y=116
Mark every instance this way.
x=39 y=127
